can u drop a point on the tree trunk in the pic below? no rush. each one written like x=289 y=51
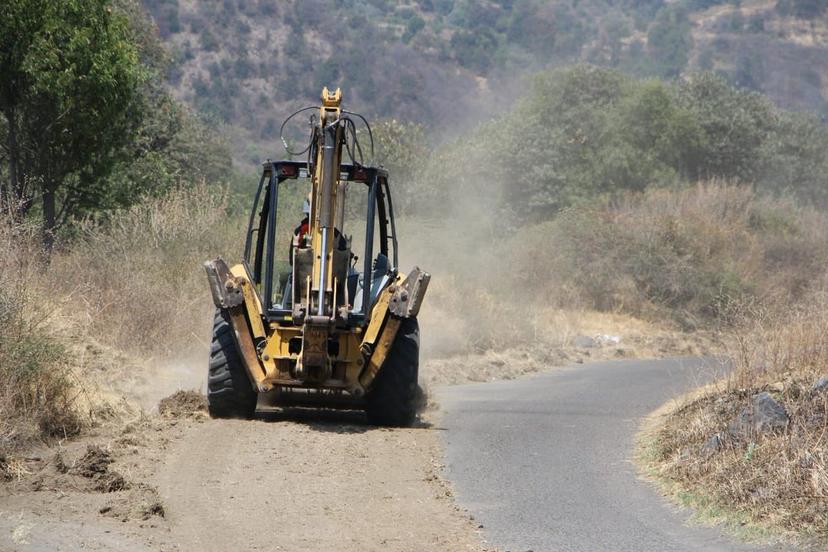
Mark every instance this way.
x=48 y=218
x=14 y=155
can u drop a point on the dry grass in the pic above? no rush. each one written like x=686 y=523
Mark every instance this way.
x=112 y=304
x=685 y=261
x=776 y=480
x=693 y=257
x=36 y=393
x=137 y=284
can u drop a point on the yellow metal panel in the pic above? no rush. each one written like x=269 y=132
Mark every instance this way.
x=253 y=307
x=251 y=300
x=389 y=333
x=379 y=312
x=246 y=348
x=380 y=334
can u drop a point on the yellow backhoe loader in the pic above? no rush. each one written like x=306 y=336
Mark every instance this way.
x=317 y=312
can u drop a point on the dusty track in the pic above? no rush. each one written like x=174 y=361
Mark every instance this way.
x=276 y=483
x=281 y=485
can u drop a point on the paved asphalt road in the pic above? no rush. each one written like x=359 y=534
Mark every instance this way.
x=543 y=462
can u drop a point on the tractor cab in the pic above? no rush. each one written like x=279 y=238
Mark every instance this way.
x=277 y=250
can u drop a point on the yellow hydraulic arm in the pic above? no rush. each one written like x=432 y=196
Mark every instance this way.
x=320 y=301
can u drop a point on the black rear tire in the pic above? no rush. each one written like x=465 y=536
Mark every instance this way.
x=229 y=392
x=393 y=398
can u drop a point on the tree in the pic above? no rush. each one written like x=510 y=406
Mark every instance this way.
x=584 y=132
x=669 y=40
x=802 y=8
x=71 y=74
x=736 y=125
x=18 y=25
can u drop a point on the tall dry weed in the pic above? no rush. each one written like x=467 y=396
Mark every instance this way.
x=694 y=256
x=687 y=259
x=37 y=391
x=121 y=293
x=137 y=283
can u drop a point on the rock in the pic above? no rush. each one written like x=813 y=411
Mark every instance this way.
x=816 y=420
x=584 y=342
x=605 y=339
x=820 y=385
x=764 y=415
x=712 y=445
x=768 y=414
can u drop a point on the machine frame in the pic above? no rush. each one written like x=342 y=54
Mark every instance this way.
x=322 y=345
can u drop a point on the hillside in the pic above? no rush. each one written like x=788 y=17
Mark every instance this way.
x=766 y=48
x=247 y=63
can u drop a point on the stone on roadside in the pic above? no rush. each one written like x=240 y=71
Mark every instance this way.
x=606 y=339
x=712 y=445
x=820 y=385
x=764 y=415
x=584 y=342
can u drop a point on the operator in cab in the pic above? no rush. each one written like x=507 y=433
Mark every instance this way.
x=300 y=233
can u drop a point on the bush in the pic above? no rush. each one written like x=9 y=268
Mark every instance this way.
x=695 y=256
x=37 y=396
x=583 y=132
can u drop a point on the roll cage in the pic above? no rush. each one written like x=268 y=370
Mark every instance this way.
x=261 y=244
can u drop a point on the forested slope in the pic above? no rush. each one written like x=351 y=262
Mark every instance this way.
x=448 y=61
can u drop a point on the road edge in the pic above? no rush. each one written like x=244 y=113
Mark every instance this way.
x=704 y=508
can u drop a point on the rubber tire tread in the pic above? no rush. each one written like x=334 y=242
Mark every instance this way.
x=393 y=398
x=229 y=392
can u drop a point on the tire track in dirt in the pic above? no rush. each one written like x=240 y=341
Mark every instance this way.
x=288 y=484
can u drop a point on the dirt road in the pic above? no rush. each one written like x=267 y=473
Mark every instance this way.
x=280 y=485
x=277 y=483
x=290 y=482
